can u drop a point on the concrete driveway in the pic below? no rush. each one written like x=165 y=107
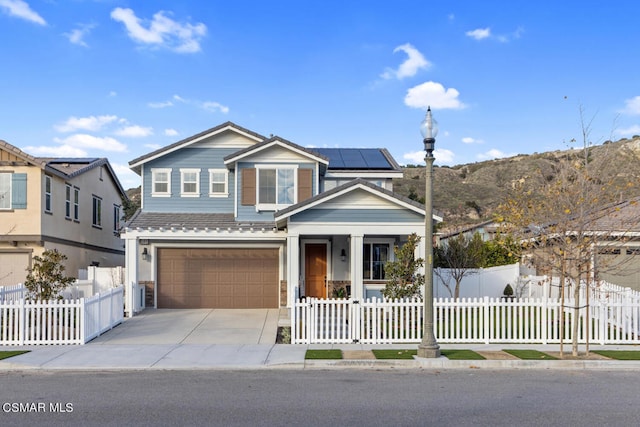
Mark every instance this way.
x=196 y=326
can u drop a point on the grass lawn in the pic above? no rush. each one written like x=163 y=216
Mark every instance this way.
x=323 y=354
x=530 y=354
x=619 y=354
x=8 y=354
x=394 y=354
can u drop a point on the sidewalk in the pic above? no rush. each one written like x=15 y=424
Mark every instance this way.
x=279 y=356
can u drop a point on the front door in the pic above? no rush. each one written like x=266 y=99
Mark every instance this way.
x=315 y=270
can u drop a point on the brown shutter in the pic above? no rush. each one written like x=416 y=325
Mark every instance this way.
x=248 y=187
x=304 y=184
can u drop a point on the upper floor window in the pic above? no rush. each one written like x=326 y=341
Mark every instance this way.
x=97 y=212
x=276 y=187
x=67 y=201
x=47 y=193
x=116 y=219
x=76 y=204
x=219 y=182
x=190 y=182
x=5 y=190
x=13 y=190
x=161 y=182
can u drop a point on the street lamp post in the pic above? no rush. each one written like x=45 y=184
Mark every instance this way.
x=428 y=347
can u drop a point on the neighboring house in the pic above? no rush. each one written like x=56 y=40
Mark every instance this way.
x=72 y=205
x=486 y=229
x=232 y=219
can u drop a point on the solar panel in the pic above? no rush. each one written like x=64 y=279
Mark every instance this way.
x=355 y=158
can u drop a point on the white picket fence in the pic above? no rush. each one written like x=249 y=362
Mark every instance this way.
x=465 y=320
x=26 y=322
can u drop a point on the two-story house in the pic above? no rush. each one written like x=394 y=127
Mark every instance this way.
x=73 y=205
x=233 y=219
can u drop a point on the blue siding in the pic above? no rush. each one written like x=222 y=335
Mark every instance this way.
x=375 y=216
x=194 y=158
x=248 y=213
x=19 y=191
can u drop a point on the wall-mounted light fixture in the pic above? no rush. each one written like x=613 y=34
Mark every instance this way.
x=145 y=254
x=343 y=255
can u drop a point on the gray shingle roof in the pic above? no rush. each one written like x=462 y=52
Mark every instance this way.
x=167 y=220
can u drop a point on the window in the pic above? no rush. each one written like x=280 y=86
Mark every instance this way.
x=67 y=201
x=161 y=182
x=5 y=190
x=116 y=219
x=97 y=211
x=47 y=193
x=375 y=255
x=76 y=204
x=190 y=182
x=219 y=182
x=276 y=187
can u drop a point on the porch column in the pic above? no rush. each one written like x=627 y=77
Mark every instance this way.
x=131 y=275
x=357 y=287
x=293 y=268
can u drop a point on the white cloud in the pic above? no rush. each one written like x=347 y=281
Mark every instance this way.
x=21 y=9
x=153 y=146
x=485 y=33
x=91 y=123
x=470 y=140
x=162 y=31
x=170 y=132
x=135 y=131
x=479 y=34
x=632 y=106
x=630 y=131
x=113 y=93
x=164 y=104
x=414 y=157
x=85 y=141
x=179 y=98
x=442 y=156
x=214 y=107
x=56 y=151
x=127 y=177
x=410 y=66
x=433 y=94
x=77 y=35
x=494 y=154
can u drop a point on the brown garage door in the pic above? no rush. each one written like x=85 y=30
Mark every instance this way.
x=217 y=278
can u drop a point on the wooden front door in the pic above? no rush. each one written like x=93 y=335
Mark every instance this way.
x=315 y=270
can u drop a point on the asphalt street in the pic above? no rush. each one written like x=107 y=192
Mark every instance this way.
x=320 y=398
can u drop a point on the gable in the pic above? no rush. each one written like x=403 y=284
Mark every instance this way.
x=276 y=154
x=226 y=139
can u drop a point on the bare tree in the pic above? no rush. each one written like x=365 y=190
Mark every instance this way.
x=461 y=256
x=564 y=220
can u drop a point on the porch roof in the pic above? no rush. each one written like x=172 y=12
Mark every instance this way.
x=169 y=220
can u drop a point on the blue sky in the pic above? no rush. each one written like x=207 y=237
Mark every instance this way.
x=118 y=79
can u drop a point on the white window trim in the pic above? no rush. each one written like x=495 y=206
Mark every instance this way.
x=225 y=193
x=153 y=182
x=96 y=214
x=9 y=194
x=374 y=241
x=275 y=206
x=182 y=182
x=68 y=202
x=76 y=204
x=49 y=193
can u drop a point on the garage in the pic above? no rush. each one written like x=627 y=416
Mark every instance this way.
x=13 y=267
x=218 y=278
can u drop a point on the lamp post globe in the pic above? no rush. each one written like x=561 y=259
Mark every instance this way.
x=428 y=347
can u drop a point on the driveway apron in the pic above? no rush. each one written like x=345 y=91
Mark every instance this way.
x=196 y=326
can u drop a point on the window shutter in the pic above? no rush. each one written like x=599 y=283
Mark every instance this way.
x=248 y=187
x=19 y=191
x=304 y=184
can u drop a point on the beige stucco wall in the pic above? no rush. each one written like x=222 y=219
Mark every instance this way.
x=24 y=221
